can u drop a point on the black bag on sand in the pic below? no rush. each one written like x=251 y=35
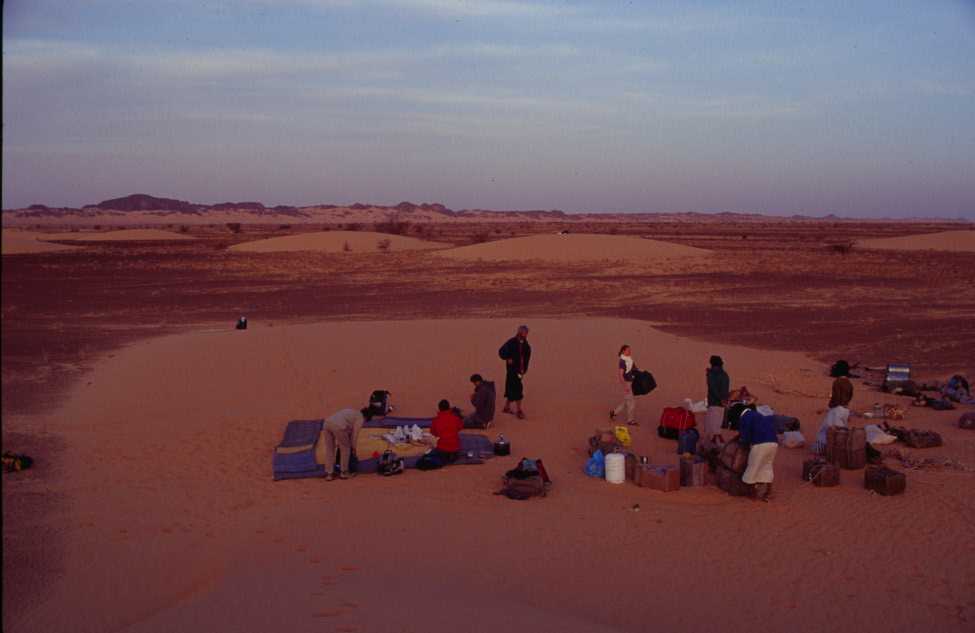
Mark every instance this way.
x=528 y=479
x=430 y=461
x=643 y=382
x=390 y=464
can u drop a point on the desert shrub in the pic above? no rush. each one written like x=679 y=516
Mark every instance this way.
x=97 y=227
x=234 y=227
x=353 y=226
x=393 y=226
x=183 y=228
x=480 y=237
x=384 y=244
x=843 y=248
x=346 y=247
x=284 y=227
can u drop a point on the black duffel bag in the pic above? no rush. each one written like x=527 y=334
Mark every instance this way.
x=643 y=382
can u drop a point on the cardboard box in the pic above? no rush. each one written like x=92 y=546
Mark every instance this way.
x=657 y=477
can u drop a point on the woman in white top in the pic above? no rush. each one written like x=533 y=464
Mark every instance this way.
x=625 y=369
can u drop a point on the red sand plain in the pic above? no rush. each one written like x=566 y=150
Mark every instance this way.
x=151 y=507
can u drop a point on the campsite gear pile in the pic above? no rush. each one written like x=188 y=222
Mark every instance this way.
x=502 y=446
x=846 y=448
x=389 y=464
x=15 y=462
x=913 y=437
x=884 y=481
x=820 y=472
x=241 y=323
x=604 y=441
x=526 y=480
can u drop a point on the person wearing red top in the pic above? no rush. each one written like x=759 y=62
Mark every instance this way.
x=446 y=427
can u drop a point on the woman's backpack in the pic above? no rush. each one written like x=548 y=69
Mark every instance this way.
x=390 y=464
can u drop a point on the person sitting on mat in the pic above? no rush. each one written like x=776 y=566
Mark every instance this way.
x=446 y=428
x=341 y=431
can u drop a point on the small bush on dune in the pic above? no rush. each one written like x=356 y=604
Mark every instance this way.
x=843 y=248
x=384 y=244
x=480 y=237
x=346 y=247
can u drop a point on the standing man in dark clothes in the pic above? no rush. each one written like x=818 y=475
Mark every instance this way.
x=483 y=400
x=516 y=353
x=719 y=386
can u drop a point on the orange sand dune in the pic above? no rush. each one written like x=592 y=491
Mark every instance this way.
x=573 y=247
x=171 y=521
x=961 y=241
x=19 y=242
x=124 y=235
x=335 y=242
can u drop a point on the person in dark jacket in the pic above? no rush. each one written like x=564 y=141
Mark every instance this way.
x=516 y=353
x=842 y=391
x=483 y=399
x=719 y=386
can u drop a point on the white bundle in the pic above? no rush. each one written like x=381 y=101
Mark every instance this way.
x=793 y=439
x=695 y=407
x=876 y=435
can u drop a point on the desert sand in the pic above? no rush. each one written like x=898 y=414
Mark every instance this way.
x=175 y=524
x=569 y=248
x=335 y=242
x=21 y=242
x=956 y=241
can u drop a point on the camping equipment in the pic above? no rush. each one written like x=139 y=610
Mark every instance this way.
x=630 y=462
x=784 y=423
x=896 y=375
x=389 y=464
x=242 y=323
x=616 y=468
x=643 y=383
x=958 y=389
x=914 y=437
x=942 y=404
x=693 y=471
x=967 y=421
x=502 y=447
x=657 y=477
x=14 y=462
x=622 y=435
x=734 y=457
x=596 y=465
x=379 y=402
x=528 y=479
x=673 y=420
x=820 y=472
x=846 y=447
x=294 y=457
x=701 y=406
x=793 y=439
x=687 y=441
x=604 y=440
x=877 y=436
x=884 y=481
x=432 y=460
x=731 y=482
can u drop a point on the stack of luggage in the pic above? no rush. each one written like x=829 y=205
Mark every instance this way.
x=732 y=462
x=846 y=448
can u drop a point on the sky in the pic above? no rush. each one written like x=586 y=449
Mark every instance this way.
x=862 y=109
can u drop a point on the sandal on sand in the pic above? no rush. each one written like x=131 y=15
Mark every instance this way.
x=346 y=475
x=520 y=415
x=330 y=477
x=507 y=410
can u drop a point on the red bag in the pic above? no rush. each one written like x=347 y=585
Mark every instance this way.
x=677 y=418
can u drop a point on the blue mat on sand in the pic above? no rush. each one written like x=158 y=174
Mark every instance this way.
x=474 y=448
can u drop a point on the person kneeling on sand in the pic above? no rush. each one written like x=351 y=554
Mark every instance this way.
x=341 y=431
x=446 y=428
x=757 y=433
x=483 y=399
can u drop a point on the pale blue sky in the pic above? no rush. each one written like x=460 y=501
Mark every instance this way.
x=861 y=109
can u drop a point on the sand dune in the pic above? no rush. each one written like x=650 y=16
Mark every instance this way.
x=573 y=248
x=20 y=242
x=335 y=242
x=124 y=235
x=960 y=241
x=174 y=522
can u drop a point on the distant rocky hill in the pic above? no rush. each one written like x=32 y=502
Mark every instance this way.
x=144 y=209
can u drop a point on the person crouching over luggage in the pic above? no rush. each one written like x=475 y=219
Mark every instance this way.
x=341 y=431
x=757 y=432
x=483 y=399
x=446 y=428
